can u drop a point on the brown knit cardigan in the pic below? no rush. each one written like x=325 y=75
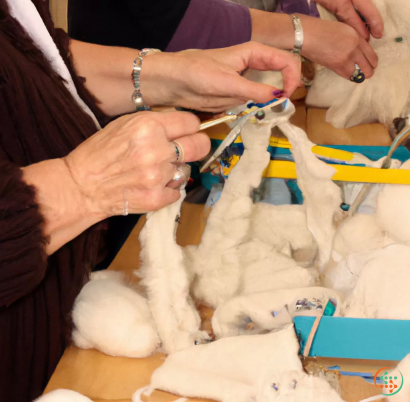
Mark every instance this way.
x=39 y=120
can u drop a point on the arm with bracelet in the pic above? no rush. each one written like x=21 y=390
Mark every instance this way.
x=125 y=80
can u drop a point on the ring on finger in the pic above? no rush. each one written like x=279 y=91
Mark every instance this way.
x=183 y=172
x=179 y=151
x=358 y=76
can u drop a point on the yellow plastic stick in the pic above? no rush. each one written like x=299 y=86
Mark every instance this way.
x=357 y=174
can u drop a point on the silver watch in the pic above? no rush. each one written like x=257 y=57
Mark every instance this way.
x=297 y=25
x=136 y=72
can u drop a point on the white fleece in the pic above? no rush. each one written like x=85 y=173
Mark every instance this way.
x=63 y=395
x=111 y=316
x=382 y=289
x=166 y=279
x=279 y=225
x=241 y=369
x=215 y=261
x=322 y=197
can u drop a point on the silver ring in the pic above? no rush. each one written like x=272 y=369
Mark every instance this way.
x=183 y=172
x=358 y=77
x=179 y=152
x=124 y=204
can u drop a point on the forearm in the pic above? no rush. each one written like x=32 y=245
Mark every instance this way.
x=107 y=71
x=272 y=29
x=65 y=210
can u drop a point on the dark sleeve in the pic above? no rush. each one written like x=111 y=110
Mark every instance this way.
x=212 y=24
x=23 y=261
x=128 y=23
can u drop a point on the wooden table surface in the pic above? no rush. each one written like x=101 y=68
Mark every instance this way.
x=114 y=379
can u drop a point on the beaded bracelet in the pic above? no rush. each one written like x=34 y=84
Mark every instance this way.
x=136 y=72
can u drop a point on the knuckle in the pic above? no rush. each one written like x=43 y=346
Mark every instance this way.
x=145 y=158
x=151 y=177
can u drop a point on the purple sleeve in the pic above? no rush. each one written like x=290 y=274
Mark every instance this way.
x=211 y=24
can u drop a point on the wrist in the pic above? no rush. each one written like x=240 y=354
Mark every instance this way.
x=273 y=29
x=59 y=197
x=158 y=77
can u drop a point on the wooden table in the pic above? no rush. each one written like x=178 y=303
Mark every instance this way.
x=115 y=379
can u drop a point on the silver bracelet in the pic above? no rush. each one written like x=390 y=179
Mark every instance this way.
x=297 y=25
x=136 y=72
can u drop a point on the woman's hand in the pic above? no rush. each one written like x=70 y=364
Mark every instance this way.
x=207 y=80
x=133 y=159
x=328 y=43
x=337 y=46
x=126 y=167
x=210 y=80
x=345 y=12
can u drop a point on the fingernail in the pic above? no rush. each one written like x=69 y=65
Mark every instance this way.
x=277 y=93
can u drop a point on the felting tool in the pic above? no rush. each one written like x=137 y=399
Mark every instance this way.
x=215 y=122
x=242 y=118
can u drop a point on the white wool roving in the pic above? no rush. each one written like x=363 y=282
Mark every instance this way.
x=166 y=279
x=262 y=368
x=63 y=395
x=382 y=289
x=112 y=317
x=360 y=233
x=393 y=212
x=322 y=197
x=279 y=225
x=215 y=261
x=267 y=310
x=383 y=97
x=355 y=238
x=265 y=269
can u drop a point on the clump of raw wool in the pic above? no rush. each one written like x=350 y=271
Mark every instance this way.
x=266 y=269
x=111 y=316
x=239 y=369
x=267 y=311
x=167 y=281
x=393 y=212
x=63 y=395
x=230 y=259
x=382 y=289
x=359 y=233
x=355 y=238
x=322 y=197
x=282 y=225
x=215 y=261
x=385 y=96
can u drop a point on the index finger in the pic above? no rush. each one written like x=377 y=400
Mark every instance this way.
x=265 y=58
x=372 y=16
x=176 y=124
